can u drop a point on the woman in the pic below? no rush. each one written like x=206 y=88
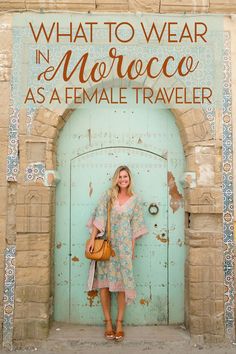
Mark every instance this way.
x=127 y=224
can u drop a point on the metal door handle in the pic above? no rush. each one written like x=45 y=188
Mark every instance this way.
x=153 y=209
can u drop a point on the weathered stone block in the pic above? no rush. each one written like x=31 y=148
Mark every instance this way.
x=212 y=338
x=183 y=6
x=5 y=58
x=190 y=118
x=219 y=306
x=5 y=37
x=3 y=204
x=219 y=274
x=6 y=20
x=32 y=194
x=218 y=179
x=35 y=293
x=219 y=288
x=2 y=233
x=196 y=324
x=203 y=290
x=201 y=257
x=33 y=242
x=1 y=316
x=185 y=2
x=206 y=222
x=4 y=116
x=111 y=5
x=215 y=325
x=35 y=151
x=145 y=6
x=202 y=307
x=47 y=210
x=31 y=329
x=31 y=310
x=196 y=133
x=44 y=130
x=50 y=160
x=83 y=5
x=34 y=224
x=5 y=73
x=222 y=6
x=23 y=210
x=13 y=4
x=47 y=117
x=32 y=276
x=204 y=239
x=4 y=135
x=32 y=259
x=205 y=273
x=4 y=104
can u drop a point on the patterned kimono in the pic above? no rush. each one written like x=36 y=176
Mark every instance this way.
x=127 y=223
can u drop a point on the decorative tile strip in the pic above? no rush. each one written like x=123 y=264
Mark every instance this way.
x=30 y=115
x=228 y=209
x=35 y=172
x=12 y=158
x=211 y=116
x=8 y=298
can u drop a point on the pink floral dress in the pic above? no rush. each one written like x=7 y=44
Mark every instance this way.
x=127 y=223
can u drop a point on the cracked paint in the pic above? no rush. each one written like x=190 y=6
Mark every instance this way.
x=144 y=302
x=176 y=200
x=75 y=259
x=59 y=244
x=91 y=296
x=90 y=189
x=89 y=136
x=179 y=242
x=162 y=238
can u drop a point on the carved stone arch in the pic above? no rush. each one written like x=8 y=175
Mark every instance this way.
x=202 y=202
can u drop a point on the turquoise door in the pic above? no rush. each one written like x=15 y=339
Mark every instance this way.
x=92 y=144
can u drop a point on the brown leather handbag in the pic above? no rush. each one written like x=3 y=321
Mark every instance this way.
x=102 y=248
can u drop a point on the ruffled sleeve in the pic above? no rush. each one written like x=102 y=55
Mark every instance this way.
x=138 y=226
x=99 y=215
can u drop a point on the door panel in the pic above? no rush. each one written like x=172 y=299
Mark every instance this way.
x=94 y=141
x=95 y=169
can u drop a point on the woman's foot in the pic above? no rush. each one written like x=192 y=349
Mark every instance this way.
x=109 y=332
x=119 y=336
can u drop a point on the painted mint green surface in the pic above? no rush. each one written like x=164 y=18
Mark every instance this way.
x=94 y=141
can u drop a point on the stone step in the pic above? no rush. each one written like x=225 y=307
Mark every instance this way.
x=65 y=336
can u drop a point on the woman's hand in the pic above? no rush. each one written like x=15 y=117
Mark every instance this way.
x=90 y=245
x=133 y=248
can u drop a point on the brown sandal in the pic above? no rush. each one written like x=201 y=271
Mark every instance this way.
x=119 y=336
x=109 y=334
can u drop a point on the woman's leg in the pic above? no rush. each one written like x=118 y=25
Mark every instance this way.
x=121 y=310
x=105 y=296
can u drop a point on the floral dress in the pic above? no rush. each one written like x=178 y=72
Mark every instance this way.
x=127 y=223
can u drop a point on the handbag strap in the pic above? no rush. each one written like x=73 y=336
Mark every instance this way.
x=108 y=220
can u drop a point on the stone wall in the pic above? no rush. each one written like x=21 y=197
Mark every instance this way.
x=27 y=211
x=161 y=6
x=7 y=218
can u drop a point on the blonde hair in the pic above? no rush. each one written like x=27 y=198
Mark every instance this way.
x=114 y=190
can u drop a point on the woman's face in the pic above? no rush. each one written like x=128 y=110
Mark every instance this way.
x=123 y=179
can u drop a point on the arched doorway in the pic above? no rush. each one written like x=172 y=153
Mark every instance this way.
x=91 y=145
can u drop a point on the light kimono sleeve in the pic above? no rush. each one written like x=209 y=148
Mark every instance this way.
x=138 y=227
x=99 y=216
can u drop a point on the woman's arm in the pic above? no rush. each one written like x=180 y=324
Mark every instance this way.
x=133 y=247
x=90 y=245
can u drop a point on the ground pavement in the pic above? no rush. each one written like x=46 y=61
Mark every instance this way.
x=67 y=338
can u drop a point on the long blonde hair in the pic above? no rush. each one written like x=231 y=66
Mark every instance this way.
x=114 y=190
